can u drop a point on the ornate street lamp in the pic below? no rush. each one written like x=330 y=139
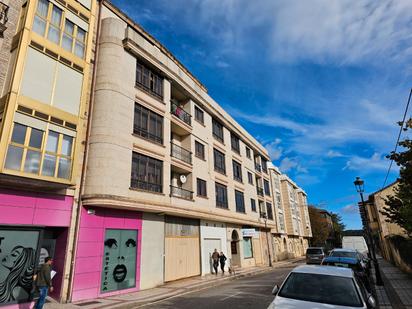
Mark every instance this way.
x=359 y=184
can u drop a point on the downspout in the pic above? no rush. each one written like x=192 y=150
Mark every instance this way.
x=85 y=155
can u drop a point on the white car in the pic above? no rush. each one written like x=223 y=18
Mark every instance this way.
x=317 y=287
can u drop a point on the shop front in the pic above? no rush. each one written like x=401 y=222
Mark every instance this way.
x=32 y=227
x=108 y=253
x=213 y=236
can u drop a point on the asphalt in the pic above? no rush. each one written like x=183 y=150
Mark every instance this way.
x=248 y=292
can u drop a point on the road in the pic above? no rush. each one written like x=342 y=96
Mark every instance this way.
x=249 y=292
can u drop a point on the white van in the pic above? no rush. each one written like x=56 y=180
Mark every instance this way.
x=356 y=243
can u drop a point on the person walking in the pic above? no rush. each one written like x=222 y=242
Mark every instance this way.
x=44 y=282
x=222 y=260
x=215 y=260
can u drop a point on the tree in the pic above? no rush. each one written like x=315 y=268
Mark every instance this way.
x=320 y=228
x=398 y=207
x=338 y=228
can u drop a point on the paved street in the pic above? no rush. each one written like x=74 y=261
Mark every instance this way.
x=249 y=292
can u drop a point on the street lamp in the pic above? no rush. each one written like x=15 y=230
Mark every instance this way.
x=359 y=184
x=265 y=218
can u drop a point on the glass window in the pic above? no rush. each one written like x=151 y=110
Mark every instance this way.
x=269 y=211
x=80 y=42
x=266 y=187
x=52 y=141
x=237 y=171
x=32 y=162
x=148 y=124
x=54 y=26
x=68 y=33
x=19 y=134
x=248 y=153
x=201 y=187
x=247 y=247
x=199 y=115
x=219 y=158
x=14 y=158
x=147 y=173
x=148 y=80
x=36 y=138
x=64 y=168
x=250 y=177
x=67 y=144
x=217 y=128
x=235 y=142
x=240 y=201
x=49 y=165
x=221 y=195
x=199 y=150
x=253 y=204
x=39 y=24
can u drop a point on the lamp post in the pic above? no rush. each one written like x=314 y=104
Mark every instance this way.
x=265 y=218
x=359 y=184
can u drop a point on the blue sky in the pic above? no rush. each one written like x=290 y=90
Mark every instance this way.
x=320 y=83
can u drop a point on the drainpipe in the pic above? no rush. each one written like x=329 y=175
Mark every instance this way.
x=85 y=155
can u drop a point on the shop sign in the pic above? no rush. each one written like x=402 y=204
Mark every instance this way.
x=249 y=232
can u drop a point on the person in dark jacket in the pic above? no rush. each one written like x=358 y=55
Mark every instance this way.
x=215 y=260
x=44 y=282
x=222 y=260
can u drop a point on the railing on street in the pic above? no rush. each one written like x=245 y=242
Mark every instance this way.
x=180 y=153
x=180 y=113
x=181 y=193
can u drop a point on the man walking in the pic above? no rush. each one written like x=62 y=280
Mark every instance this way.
x=215 y=260
x=43 y=282
x=222 y=259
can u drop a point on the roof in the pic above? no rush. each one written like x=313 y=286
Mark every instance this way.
x=324 y=270
x=336 y=259
x=384 y=188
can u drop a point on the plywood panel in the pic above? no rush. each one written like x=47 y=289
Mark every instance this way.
x=257 y=251
x=182 y=257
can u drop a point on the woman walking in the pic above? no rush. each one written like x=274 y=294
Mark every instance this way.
x=222 y=260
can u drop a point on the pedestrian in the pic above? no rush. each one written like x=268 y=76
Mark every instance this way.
x=222 y=260
x=44 y=282
x=215 y=260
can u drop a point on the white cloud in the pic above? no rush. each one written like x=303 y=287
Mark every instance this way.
x=334 y=154
x=350 y=209
x=376 y=162
x=287 y=164
x=274 y=149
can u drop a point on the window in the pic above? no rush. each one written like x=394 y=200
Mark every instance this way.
x=235 y=142
x=266 y=186
x=149 y=81
x=220 y=165
x=221 y=196
x=247 y=248
x=264 y=165
x=248 y=154
x=278 y=200
x=262 y=210
x=240 y=201
x=237 y=171
x=199 y=115
x=71 y=35
x=253 y=204
x=250 y=177
x=281 y=221
x=148 y=124
x=217 y=130
x=27 y=152
x=199 y=150
x=147 y=173
x=269 y=211
x=201 y=187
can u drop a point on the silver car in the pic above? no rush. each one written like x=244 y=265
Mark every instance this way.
x=317 y=287
x=314 y=255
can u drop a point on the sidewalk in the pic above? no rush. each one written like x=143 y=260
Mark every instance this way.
x=397 y=290
x=169 y=290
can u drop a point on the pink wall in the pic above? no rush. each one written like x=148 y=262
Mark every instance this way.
x=17 y=207
x=90 y=247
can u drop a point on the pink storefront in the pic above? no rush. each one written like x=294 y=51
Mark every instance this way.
x=33 y=226
x=108 y=253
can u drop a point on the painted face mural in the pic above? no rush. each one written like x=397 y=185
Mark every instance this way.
x=119 y=260
x=17 y=262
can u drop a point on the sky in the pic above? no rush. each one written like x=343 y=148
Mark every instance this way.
x=320 y=83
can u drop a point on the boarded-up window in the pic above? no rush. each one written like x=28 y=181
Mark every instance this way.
x=175 y=226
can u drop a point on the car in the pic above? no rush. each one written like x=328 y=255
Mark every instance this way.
x=355 y=242
x=315 y=255
x=351 y=253
x=317 y=287
x=352 y=263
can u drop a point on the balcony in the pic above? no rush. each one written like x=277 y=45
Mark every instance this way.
x=181 y=113
x=258 y=167
x=180 y=153
x=4 y=8
x=259 y=191
x=181 y=193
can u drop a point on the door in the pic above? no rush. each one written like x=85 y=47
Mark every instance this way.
x=119 y=260
x=209 y=245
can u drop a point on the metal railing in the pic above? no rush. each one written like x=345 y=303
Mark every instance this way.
x=4 y=8
x=181 y=113
x=180 y=153
x=259 y=191
x=181 y=193
x=258 y=167
x=146 y=186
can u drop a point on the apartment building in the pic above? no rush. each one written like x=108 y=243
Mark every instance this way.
x=44 y=73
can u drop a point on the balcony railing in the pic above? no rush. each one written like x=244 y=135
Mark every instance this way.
x=146 y=186
x=181 y=193
x=181 y=113
x=180 y=153
x=258 y=167
x=4 y=8
x=259 y=191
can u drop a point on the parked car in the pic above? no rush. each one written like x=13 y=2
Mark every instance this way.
x=355 y=242
x=317 y=287
x=351 y=263
x=352 y=253
x=315 y=255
